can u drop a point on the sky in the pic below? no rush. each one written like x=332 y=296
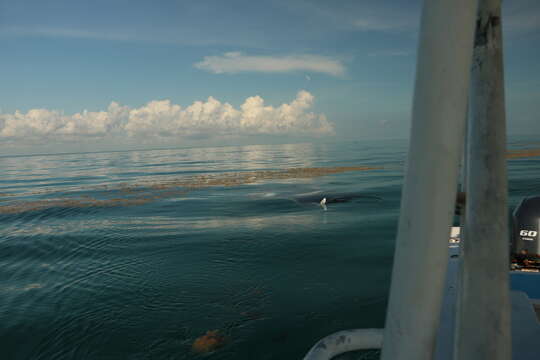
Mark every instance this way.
x=120 y=74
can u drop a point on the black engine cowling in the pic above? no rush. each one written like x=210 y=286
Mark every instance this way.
x=526 y=227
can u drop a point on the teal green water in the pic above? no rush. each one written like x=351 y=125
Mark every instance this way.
x=130 y=255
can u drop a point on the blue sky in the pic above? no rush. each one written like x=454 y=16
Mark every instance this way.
x=197 y=73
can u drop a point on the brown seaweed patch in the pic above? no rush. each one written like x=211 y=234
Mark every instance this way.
x=212 y=340
x=513 y=154
x=139 y=194
x=250 y=177
x=27 y=206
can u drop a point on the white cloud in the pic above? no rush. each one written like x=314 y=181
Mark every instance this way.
x=45 y=123
x=235 y=62
x=165 y=119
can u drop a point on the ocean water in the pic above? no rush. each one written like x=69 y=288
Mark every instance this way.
x=136 y=254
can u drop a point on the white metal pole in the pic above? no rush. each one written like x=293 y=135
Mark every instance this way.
x=464 y=161
x=483 y=319
x=427 y=204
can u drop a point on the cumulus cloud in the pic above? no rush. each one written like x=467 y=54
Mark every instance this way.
x=162 y=118
x=45 y=123
x=235 y=62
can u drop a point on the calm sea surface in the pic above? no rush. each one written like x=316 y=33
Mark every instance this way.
x=134 y=255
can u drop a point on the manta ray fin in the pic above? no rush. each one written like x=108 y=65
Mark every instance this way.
x=323 y=204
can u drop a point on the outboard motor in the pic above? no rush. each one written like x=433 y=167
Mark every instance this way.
x=526 y=228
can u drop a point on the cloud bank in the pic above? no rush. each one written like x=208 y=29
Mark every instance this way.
x=162 y=118
x=235 y=62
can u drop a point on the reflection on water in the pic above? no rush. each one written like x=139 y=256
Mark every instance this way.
x=43 y=174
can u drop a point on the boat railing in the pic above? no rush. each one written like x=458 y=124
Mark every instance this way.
x=459 y=71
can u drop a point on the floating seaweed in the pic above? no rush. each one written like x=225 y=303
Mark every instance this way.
x=142 y=193
x=523 y=153
x=211 y=341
